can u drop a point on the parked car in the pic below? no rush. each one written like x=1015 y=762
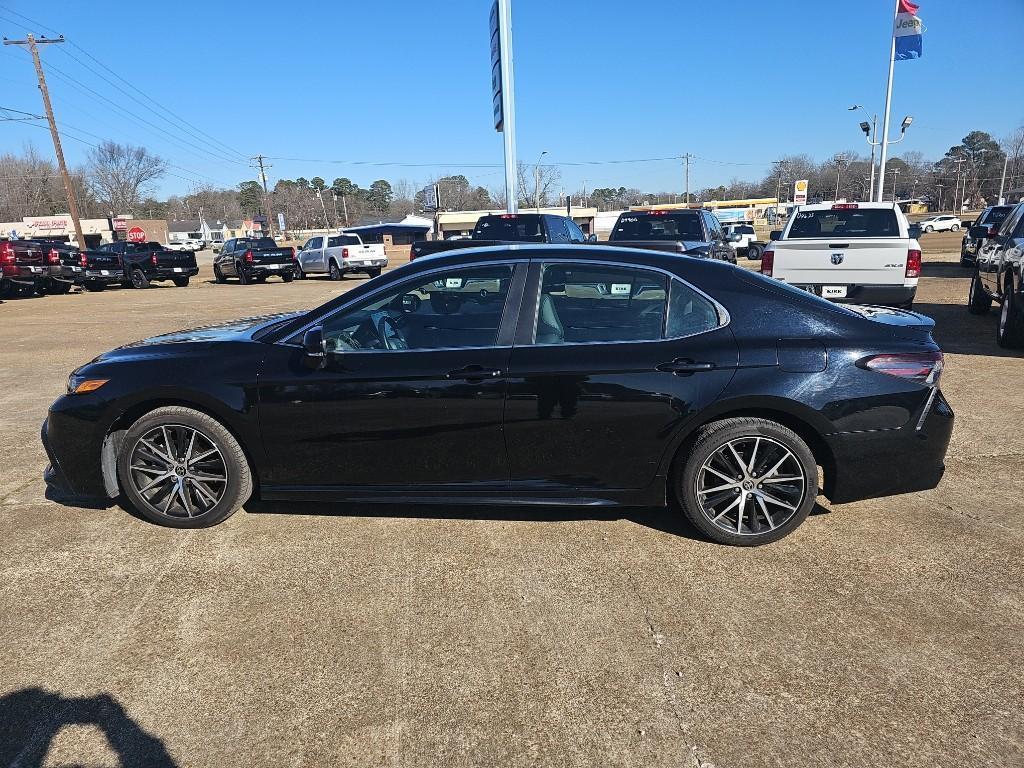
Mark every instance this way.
x=217 y=245
x=186 y=245
x=688 y=232
x=23 y=268
x=101 y=269
x=501 y=228
x=941 y=223
x=145 y=263
x=998 y=277
x=745 y=237
x=63 y=264
x=990 y=218
x=563 y=375
x=253 y=260
x=860 y=253
x=339 y=254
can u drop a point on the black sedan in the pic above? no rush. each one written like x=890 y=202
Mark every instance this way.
x=565 y=375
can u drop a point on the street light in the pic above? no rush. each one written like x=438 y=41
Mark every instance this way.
x=869 y=134
x=903 y=134
x=536 y=181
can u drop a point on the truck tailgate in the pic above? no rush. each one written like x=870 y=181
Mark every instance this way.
x=273 y=256
x=866 y=261
x=175 y=259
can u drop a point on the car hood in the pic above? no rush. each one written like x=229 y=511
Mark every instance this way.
x=234 y=330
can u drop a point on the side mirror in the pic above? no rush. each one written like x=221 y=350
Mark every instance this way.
x=775 y=234
x=978 y=232
x=313 y=348
x=592 y=238
x=735 y=237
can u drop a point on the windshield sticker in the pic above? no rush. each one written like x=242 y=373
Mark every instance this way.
x=453 y=282
x=620 y=289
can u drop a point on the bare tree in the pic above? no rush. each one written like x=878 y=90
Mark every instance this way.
x=120 y=175
x=537 y=183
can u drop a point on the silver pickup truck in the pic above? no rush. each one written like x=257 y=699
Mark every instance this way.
x=337 y=254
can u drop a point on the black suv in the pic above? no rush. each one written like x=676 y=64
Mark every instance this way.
x=990 y=219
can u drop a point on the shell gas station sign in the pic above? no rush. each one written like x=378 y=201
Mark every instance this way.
x=800 y=191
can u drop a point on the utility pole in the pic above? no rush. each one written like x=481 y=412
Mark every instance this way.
x=323 y=208
x=334 y=202
x=956 y=188
x=266 y=192
x=1002 y=182
x=686 y=161
x=895 y=172
x=939 y=187
x=31 y=43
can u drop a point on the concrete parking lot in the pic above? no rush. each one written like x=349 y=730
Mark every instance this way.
x=886 y=632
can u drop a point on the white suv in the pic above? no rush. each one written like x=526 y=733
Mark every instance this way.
x=945 y=223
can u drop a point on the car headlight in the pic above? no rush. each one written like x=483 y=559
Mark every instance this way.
x=80 y=385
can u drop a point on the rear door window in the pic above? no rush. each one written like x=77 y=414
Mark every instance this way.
x=846 y=223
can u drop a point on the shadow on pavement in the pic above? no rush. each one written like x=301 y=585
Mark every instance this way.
x=960 y=333
x=946 y=269
x=32 y=717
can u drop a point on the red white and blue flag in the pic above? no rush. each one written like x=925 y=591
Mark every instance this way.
x=907 y=31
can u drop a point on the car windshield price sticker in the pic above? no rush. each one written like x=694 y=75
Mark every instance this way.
x=620 y=289
x=453 y=282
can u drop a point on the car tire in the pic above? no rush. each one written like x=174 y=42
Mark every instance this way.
x=735 y=505
x=94 y=286
x=955 y=228
x=139 y=279
x=243 y=278
x=372 y=273
x=174 y=426
x=180 y=282
x=59 y=288
x=299 y=274
x=929 y=229
x=335 y=272
x=218 y=276
x=754 y=252
x=1010 y=328
x=978 y=302
x=287 y=277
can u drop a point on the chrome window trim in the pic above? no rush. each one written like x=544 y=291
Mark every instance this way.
x=344 y=307
x=724 y=318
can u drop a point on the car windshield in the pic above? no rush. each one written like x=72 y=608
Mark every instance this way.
x=511 y=227
x=658 y=226
x=848 y=222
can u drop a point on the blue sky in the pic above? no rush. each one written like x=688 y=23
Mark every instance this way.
x=737 y=84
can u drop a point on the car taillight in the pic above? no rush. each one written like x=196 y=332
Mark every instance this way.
x=248 y=256
x=508 y=216
x=83 y=260
x=152 y=259
x=913 y=263
x=54 y=256
x=767 y=262
x=344 y=253
x=993 y=231
x=294 y=257
x=6 y=253
x=922 y=367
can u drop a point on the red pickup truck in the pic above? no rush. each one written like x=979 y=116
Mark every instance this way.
x=23 y=268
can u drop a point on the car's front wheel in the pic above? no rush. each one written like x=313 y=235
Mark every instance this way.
x=180 y=282
x=955 y=228
x=181 y=468
x=978 y=302
x=1010 y=331
x=746 y=481
x=929 y=228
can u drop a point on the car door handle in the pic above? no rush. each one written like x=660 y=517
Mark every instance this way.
x=684 y=365
x=473 y=372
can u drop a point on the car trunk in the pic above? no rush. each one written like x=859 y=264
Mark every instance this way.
x=819 y=261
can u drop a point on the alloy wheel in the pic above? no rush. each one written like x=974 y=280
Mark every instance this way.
x=750 y=486
x=178 y=470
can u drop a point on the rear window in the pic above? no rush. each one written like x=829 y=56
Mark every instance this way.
x=996 y=215
x=336 y=240
x=742 y=229
x=522 y=229
x=263 y=242
x=657 y=226
x=855 y=222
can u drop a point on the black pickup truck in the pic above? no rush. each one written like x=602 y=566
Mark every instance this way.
x=254 y=259
x=504 y=228
x=100 y=269
x=688 y=232
x=23 y=268
x=63 y=266
x=144 y=263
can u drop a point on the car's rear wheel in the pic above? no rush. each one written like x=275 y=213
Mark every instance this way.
x=929 y=228
x=335 y=271
x=955 y=228
x=94 y=285
x=139 y=279
x=372 y=273
x=287 y=276
x=182 y=468
x=978 y=302
x=754 y=252
x=746 y=481
x=59 y=287
x=243 y=278
x=1010 y=330
x=181 y=282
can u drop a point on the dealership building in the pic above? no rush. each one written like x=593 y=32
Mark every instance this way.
x=96 y=231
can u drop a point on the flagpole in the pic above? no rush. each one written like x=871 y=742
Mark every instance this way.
x=888 y=104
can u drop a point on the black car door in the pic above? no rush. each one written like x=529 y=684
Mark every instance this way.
x=411 y=391
x=609 y=360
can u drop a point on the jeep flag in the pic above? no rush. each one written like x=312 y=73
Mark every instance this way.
x=907 y=31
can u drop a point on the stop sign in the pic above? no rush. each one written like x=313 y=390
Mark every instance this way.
x=137 y=235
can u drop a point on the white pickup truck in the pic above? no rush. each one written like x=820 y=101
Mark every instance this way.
x=861 y=253
x=337 y=254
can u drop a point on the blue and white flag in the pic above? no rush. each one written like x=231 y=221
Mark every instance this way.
x=907 y=31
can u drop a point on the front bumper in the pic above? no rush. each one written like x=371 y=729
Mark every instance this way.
x=887 y=462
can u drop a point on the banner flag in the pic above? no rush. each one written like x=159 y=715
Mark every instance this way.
x=907 y=31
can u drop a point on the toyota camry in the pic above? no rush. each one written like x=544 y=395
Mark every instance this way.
x=520 y=375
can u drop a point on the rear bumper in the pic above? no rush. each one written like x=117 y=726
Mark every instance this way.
x=97 y=276
x=269 y=270
x=66 y=274
x=169 y=273
x=356 y=265
x=25 y=276
x=891 y=461
x=883 y=295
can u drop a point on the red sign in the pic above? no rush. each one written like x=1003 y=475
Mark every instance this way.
x=137 y=235
x=120 y=225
